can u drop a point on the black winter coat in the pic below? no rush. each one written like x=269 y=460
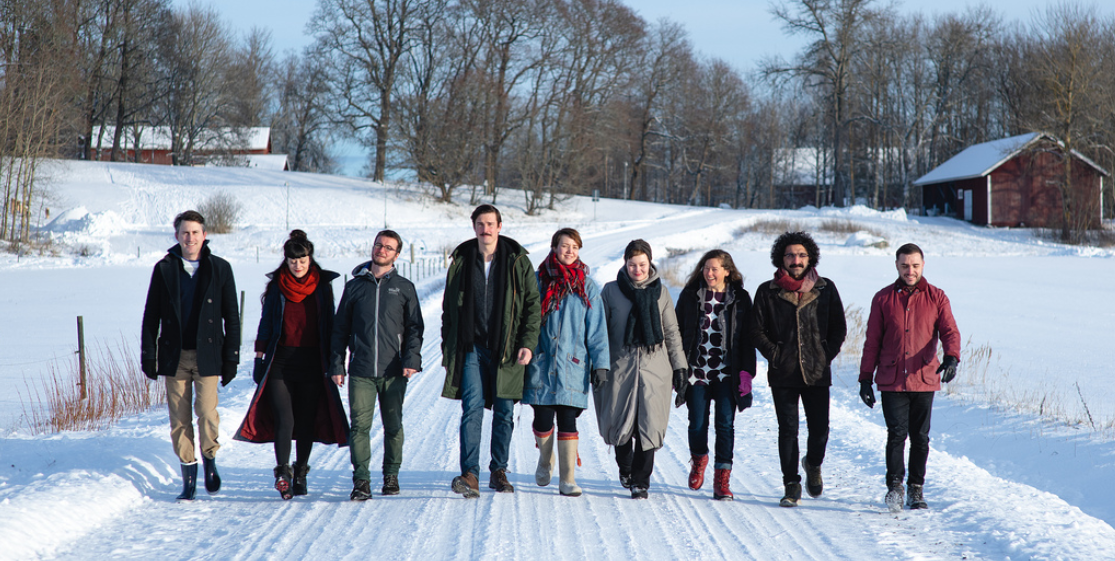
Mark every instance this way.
x=380 y=322
x=271 y=319
x=781 y=326
x=218 y=324
x=737 y=339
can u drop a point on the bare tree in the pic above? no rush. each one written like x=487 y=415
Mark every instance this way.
x=301 y=125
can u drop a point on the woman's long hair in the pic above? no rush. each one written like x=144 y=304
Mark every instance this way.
x=725 y=258
x=296 y=247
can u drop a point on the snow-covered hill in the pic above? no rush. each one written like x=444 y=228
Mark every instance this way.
x=1002 y=483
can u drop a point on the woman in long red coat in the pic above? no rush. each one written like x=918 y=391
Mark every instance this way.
x=295 y=399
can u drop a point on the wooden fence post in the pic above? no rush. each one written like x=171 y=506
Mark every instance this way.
x=81 y=355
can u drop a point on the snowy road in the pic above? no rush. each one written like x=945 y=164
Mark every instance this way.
x=127 y=511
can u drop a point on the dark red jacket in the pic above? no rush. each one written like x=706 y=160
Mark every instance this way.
x=902 y=334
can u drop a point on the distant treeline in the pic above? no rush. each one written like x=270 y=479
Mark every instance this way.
x=560 y=97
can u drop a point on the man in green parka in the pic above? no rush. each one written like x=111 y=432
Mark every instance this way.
x=491 y=316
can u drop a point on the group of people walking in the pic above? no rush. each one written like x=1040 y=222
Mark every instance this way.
x=548 y=338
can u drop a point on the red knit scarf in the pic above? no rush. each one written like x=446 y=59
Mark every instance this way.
x=559 y=280
x=296 y=290
x=790 y=284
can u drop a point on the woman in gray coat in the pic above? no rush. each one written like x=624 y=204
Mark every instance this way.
x=633 y=404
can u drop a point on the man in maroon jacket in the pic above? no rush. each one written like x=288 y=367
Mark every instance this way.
x=900 y=349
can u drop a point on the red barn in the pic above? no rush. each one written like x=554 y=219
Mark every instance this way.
x=153 y=144
x=1013 y=182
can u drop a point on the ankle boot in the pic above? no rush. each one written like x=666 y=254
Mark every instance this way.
x=721 y=485
x=212 y=478
x=189 y=482
x=283 y=476
x=567 y=462
x=697 y=472
x=545 y=469
x=298 y=482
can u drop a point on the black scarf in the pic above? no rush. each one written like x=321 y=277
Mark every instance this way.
x=644 y=323
x=498 y=274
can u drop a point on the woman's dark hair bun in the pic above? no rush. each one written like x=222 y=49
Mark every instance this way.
x=298 y=235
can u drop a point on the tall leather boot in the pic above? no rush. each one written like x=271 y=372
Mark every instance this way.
x=567 y=462
x=189 y=482
x=545 y=470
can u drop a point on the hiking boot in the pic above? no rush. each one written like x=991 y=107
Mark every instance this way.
x=697 y=471
x=498 y=481
x=361 y=490
x=813 y=482
x=915 y=500
x=390 y=485
x=467 y=485
x=545 y=470
x=212 y=478
x=298 y=484
x=625 y=480
x=721 y=485
x=283 y=477
x=567 y=456
x=189 y=482
x=639 y=493
x=792 y=497
x=895 y=495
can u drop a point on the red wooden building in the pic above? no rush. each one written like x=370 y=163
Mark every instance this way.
x=1013 y=182
x=153 y=144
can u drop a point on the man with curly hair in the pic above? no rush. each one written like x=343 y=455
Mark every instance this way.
x=797 y=323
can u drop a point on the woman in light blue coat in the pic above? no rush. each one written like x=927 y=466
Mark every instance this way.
x=572 y=353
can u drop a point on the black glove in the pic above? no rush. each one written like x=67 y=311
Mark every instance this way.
x=947 y=369
x=744 y=401
x=867 y=394
x=681 y=380
x=149 y=367
x=228 y=372
x=258 y=370
x=599 y=377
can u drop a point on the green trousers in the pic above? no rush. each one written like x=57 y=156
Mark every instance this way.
x=362 y=395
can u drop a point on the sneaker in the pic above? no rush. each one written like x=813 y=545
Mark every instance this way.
x=895 y=495
x=721 y=485
x=361 y=490
x=697 y=471
x=915 y=500
x=467 y=485
x=625 y=480
x=813 y=482
x=498 y=481
x=639 y=493
x=793 y=495
x=390 y=485
x=283 y=476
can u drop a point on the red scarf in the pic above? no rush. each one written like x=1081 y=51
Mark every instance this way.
x=790 y=284
x=296 y=290
x=559 y=280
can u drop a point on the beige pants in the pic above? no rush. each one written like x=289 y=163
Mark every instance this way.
x=186 y=386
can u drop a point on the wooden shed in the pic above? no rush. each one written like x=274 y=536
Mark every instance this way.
x=1013 y=182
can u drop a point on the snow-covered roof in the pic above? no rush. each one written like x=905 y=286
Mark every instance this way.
x=273 y=162
x=158 y=138
x=979 y=160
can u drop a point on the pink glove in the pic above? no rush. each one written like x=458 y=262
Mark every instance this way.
x=744 y=382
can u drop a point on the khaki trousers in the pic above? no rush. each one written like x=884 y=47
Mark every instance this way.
x=186 y=386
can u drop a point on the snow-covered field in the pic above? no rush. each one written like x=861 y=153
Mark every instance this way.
x=1002 y=484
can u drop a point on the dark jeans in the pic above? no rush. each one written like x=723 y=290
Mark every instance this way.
x=907 y=413
x=477 y=379
x=699 y=398
x=815 y=401
x=632 y=459
x=362 y=396
x=566 y=418
x=294 y=388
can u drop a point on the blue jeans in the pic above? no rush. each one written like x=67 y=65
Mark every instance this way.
x=478 y=379
x=700 y=398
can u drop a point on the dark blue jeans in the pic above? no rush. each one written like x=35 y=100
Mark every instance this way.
x=907 y=414
x=477 y=379
x=699 y=398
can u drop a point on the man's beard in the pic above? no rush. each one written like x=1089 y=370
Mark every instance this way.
x=381 y=263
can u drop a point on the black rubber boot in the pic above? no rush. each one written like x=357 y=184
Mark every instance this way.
x=212 y=478
x=189 y=482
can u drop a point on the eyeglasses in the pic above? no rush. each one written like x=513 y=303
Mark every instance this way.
x=379 y=246
x=798 y=255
